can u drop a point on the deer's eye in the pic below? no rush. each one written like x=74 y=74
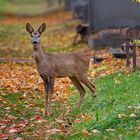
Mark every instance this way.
x=31 y=35
x=38 y=35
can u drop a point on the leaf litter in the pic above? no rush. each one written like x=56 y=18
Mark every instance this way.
x=23 y=79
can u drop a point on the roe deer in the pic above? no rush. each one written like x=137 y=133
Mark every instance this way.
x=50 y=66
x=81 y=30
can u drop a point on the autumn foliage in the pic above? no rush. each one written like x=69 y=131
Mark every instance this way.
x=21 y=88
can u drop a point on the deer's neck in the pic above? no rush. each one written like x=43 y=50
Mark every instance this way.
x=38 y=54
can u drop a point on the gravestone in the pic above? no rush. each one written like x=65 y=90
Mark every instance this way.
x=104 y=14
x=110 y=14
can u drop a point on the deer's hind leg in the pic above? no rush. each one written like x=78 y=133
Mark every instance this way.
x=50 y=95
x=80 y=89
x=89 y=84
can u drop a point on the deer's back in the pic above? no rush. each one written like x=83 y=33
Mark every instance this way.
x=66 y=64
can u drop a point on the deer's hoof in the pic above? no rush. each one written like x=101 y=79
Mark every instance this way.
x=78 y=105
x=94 y=95
x=47 y=113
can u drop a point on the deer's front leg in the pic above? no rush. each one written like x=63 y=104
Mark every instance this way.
x=75 y=38
x=50 y=95
x=47 y=88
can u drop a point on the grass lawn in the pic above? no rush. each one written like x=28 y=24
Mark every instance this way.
x=15 y=37
x=118 y=98
x=23 y=8
x=27 y=1
x=115 y=114
x=2 y=5
x=27 y=7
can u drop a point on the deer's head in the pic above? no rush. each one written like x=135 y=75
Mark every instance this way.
x=35 y=35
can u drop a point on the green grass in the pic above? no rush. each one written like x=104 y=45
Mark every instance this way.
x=64 y=49
x=116 y=92
x=32 y=1
x=15 y=41
x=28 y=1
x=27 y=7
x=113 y=99
x=2 y=6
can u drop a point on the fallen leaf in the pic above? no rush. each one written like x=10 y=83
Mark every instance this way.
x=13 y=130
x=18 y=138
x=133 y=115
x=2 y=135
x=38 y=118
x=95 y=131
x=110 y=130
x=53 y=131
x=121 y=116
x=85 y=132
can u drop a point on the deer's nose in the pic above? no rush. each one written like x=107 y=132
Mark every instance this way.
x=35 y=42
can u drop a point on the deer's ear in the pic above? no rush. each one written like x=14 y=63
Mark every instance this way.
x=42 y=28
x=29 y=28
